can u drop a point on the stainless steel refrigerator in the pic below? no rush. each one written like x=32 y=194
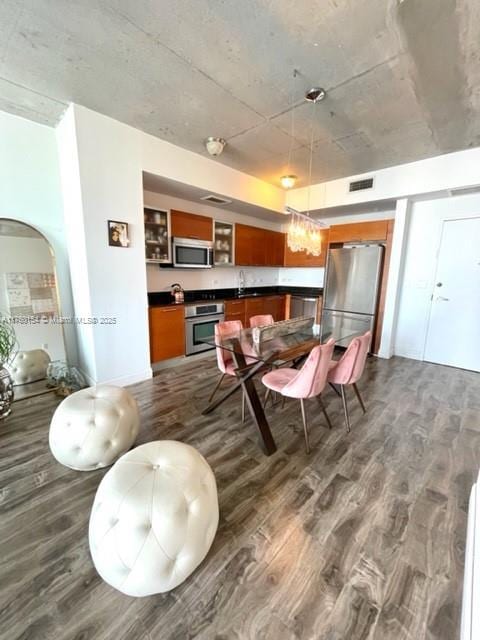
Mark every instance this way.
x=351 y=292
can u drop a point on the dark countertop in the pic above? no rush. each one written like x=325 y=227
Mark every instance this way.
x=163 y=298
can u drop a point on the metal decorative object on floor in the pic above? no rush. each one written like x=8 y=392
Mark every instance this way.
x=66 y=379
x=6 y=393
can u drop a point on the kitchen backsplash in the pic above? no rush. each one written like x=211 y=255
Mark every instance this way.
x=160 y=279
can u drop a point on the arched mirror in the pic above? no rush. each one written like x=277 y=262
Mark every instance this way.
x=29 y=299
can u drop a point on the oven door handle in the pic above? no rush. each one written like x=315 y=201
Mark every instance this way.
x=194 y=319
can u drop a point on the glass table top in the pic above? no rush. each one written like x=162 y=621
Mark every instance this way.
x=277 y=348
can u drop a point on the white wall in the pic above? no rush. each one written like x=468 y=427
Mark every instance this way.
x=161 y=279
x=448 y=171
x=30 y=192
x=422 y=243
x=388 y=214
x=102 y=180
x=30 y=255
x=165 y=159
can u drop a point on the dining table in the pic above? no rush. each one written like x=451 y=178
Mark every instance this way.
x=251 y=358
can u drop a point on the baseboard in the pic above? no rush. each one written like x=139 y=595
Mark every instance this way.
x=125 y=381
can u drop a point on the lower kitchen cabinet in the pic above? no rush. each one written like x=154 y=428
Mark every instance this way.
x=275 y=305
x=259 y=305
x=235 y=310
x=167 y=332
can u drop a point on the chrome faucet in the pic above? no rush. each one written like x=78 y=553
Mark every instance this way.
x=241 y=282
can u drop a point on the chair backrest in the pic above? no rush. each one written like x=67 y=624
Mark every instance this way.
x=312 y=377
x=351 y=365
x=261 y=320
x=223 y=330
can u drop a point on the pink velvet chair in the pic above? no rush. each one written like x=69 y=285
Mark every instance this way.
x=224 y=357
x=349 y=369
x=308 y=382
x=261 y=320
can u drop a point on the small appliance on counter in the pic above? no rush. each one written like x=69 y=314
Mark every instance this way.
x=178 y=293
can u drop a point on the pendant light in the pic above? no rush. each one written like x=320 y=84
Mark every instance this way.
x=304 y=233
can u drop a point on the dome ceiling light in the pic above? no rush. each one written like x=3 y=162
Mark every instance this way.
x=215 y=145
x=288 y=182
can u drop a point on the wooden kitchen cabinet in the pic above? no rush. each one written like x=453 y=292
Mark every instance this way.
x=254 y=307
x=235 y=310
x=359 y=231
x=258 y=247
x=244 y=239
x=167 y=332
x=304 y=259
x=275 y=248
x=275 y=305
x=191 y=225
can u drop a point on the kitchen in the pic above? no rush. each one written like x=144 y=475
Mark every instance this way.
x=235 y=269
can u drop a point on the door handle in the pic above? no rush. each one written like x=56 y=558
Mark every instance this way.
x=442 y=299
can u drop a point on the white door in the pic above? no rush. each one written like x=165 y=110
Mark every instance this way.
x=453 y=336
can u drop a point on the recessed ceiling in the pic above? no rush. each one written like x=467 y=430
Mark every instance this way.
x=402 y=76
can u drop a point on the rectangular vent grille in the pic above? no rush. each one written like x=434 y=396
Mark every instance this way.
x=360 y=185
x=215 y=199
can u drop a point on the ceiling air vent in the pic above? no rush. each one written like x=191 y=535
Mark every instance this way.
x=360 y=185
x=215 y=199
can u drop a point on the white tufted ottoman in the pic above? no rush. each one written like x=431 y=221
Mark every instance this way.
x=93 y=427
x=154 y=518
x=29 y=366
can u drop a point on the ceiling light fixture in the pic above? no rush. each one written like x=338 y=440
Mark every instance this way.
x=215 y=145
x=304 y=233
x=288 y=182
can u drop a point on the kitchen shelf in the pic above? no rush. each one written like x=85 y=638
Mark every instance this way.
x=157 y=235
x=223 y=243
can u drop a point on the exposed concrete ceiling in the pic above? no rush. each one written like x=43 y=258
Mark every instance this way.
x=402 y=76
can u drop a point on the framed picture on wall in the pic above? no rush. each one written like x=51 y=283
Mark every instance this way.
x=118 y=234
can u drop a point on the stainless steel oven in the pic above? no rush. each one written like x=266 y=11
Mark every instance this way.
x=200 y=321
x=192 y=254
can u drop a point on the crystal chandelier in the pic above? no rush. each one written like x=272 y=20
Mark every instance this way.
x=304 y=233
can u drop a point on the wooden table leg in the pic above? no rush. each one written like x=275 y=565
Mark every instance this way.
x=254 y=404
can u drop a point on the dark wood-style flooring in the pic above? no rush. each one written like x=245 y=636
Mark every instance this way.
x=362 y=539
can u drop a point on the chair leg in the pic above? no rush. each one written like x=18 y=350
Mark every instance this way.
x=322 y=406
x=357 y=392
x=265 y=400
x=305 y=428
x=283 y=402
x=334 y=388
x=243 y=406
x=345 y=407
x=217 y=386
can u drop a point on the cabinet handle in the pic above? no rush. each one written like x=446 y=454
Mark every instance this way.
x=169 y=310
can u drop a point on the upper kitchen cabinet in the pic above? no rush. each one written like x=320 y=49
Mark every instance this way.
x=275 y=248
x=304 y=259
x=359 y=231
x=258 y=247
x=157 y=234
x=246 y=253
x=191 y=225
x=223 y=243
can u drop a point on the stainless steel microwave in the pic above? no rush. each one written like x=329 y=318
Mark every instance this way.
x=192 y=254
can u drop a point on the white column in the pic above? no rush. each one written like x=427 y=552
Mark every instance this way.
x=395 y=276
x=100 y=163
